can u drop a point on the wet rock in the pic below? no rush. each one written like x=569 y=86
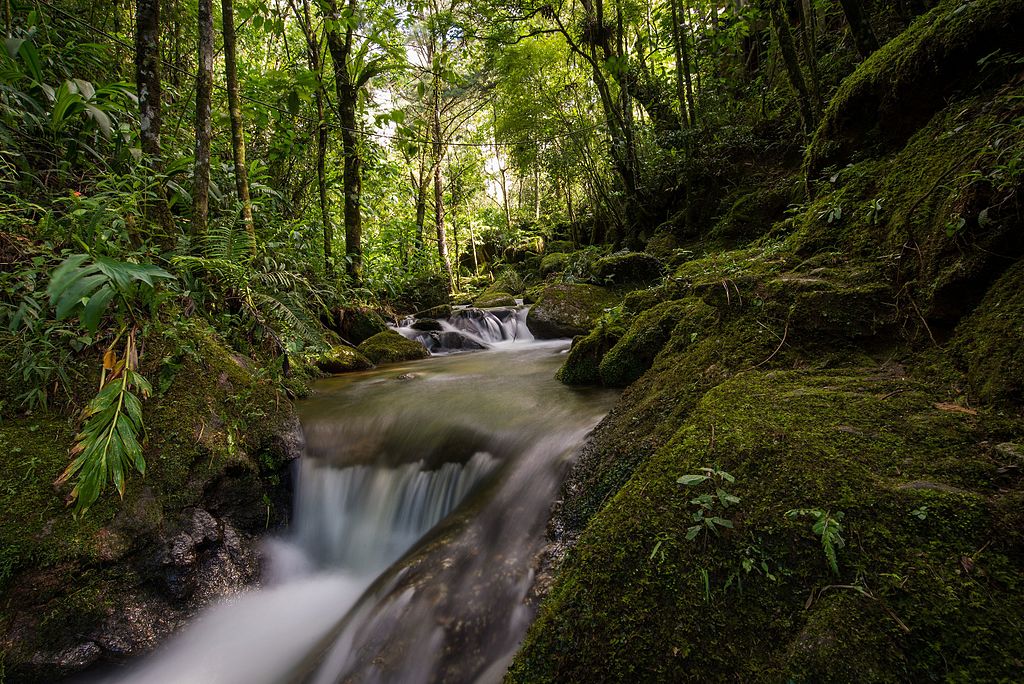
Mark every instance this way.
x=553 y=263
x=567 y=310
x=427 y=325
x=490 y=299
x=390 y=347
x=342 y=359
x=437 y=341
x=71 y=659
x=205 y=529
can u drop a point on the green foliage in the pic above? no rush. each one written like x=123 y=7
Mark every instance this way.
x=710 y=507
x=828 y=527
x=84 y=286
x=109 y=444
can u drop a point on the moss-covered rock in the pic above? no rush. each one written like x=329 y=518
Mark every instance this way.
x=558 y=246
x=427 y=325
x=554 y=262
x=624 y=268
x=585 y=354
x=493 y=298
x=107 y=585
x=900 y=86
x=357 y=323
x=753 y=212
x=990 y=343
x=533 y=294
x=390 y=347
x=342 y=359
x=566 y=310
x=914 y=599
x=647 y=335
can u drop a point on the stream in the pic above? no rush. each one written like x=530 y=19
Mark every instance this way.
x=421 y=503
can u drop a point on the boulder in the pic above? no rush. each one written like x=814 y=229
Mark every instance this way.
x=490 y=299
x=626 y=267
x=357 y=323
x=553 y=263
x=390 y=347
x=427 y=325
x=567 y=310
x=342 y=359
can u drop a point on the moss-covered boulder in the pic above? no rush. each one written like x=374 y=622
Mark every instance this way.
x=532 y=294
x=585 y=354
x=554 y=262
x=649 y=332
x=990 y=344
x=440 y=311
x=357 y=323
x=567 y=310
x=390 y=347
x=624 y=268
x=494 y=298
x=907 y=477
x=558 y=246
x=342 y=359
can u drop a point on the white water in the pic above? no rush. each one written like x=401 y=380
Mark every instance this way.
x=485 y=328
x=388 y=460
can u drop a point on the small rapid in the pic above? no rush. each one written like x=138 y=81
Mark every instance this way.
x=470 y=329
x=420 y=505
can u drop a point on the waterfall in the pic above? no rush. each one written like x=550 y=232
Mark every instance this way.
x=420 y=507
x=471 y=329
x=361 y=518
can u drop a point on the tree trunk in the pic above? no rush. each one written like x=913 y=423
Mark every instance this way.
x=683 y=88
x=235 y=111
x=348 y=100
x=472 y=246
x=536 y=193
x=316 y=66
x=860 y=27
x=147 y=81
x=204 y=125
x=442 y=242
x=792 y=62
x=421 y=204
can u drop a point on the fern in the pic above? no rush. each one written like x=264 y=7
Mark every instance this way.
x=829 y=529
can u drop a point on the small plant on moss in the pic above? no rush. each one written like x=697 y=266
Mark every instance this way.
x=874 y=211
x=920 y=513
x=829 y=529
x=832 y=214
x=710 y=507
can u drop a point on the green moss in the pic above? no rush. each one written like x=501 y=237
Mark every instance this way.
x=626 y=267
x=900 y=86
x=342 y=359
x=567 y=310
x=492 y=298
x=558 y=246
x=358 y=323
x=554 y=262
x=866 y=441
x=990 y=343
x=585 y=354
x=390 y=347
x=752 y=213
x=649 y=332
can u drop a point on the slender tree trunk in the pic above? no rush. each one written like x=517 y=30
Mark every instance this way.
x=472 y=246
x=316 y=66
x=683 y=91
x=442 y=242
x=808 y=38
x=792 y=62
x=860 y=27
x=536 y=193
x=204 y=125
x=348 y=100
x=147 y=81
x=421 y=204
x=235 y=111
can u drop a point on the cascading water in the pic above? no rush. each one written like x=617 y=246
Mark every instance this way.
x=469 y=329
x=421 y=503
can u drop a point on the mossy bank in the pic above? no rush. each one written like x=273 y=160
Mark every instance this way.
x=853 y=369
x=125 y=574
